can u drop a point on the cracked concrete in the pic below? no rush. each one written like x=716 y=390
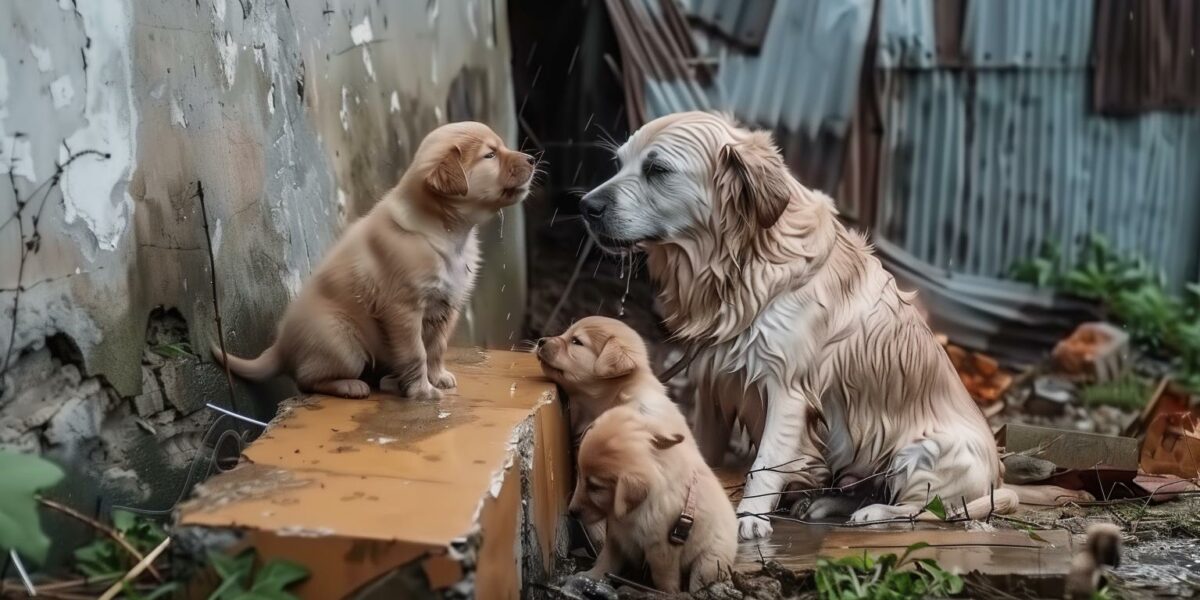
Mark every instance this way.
x=111 y=116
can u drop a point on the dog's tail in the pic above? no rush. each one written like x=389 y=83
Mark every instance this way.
x=265 y=366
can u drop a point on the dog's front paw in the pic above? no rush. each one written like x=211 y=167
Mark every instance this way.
x=876 y=513
x=443 y=380
x=422 y=390
x=753 y=527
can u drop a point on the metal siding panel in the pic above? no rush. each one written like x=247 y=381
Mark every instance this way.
x=907 y=38
x=1040 y=168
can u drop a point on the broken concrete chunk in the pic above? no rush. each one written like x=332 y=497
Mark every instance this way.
x=150 y=401
x=1051 y=396
x=1070 y=449
x=1021 y=468
x=1098 y=350
x=79 y=419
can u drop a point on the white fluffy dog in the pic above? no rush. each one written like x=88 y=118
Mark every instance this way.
x=798 y=330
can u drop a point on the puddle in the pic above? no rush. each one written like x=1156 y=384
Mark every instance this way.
x=1162 y=568
x=402 y=424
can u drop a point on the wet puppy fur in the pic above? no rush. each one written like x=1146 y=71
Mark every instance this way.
x=602 y=363
x=388 y=293
x=634 y=474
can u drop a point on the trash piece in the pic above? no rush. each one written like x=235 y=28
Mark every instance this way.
x=1163 y=488
x=1172 y=445
x=1097 y=350
x=1071 y=449
x=1103 y=483
x=1051 y=396
x=980 y=373
x=1021 y=468
x=1168 y=397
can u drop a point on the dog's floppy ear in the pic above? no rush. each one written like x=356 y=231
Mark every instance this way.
x=448 y=178
x=630 y=492
x=752 y=176
x=615 y=360
x=662 y=441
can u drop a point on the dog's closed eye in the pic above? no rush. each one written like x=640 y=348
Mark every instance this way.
x=576 y=341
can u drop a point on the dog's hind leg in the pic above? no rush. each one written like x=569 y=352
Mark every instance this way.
x=330 y=358
x=946 y=466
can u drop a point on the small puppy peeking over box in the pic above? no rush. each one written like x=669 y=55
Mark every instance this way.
x=390 y=290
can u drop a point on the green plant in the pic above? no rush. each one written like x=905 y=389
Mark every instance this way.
x=1102 y=273
x=239 y=582
x=20 y=528
x=884 y=577
x=176 y=350
x=104 y=557
x=1127 y=392
x=1148 y=314
x=1041 y=270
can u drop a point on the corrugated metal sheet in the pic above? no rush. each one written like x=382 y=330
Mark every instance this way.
x=980 y=168
x=743 y=23
x=995 y=34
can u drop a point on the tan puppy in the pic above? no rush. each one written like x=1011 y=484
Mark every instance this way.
x=390 y=290
x=662 y=504
x=602 y=363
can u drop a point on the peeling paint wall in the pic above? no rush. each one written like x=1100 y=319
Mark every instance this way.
x=292 y=118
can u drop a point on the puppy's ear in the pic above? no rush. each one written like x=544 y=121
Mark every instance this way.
x=662 y=441
x=751 y=177
x=448 y=178
x=615 y=360
x=629 y=493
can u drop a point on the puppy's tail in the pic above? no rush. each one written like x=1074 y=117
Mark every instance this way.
x=267 y=364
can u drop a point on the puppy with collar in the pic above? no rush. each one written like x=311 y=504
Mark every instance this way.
x=390 y=290
x=662 y=504
x=602 y=363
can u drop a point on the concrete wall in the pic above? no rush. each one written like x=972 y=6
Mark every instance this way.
x=292 y=116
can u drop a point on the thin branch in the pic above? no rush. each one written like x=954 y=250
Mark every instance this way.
x=212 y=264
x=135 y=571
x=102 y=528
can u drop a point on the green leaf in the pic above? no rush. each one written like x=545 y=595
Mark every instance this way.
x=123 y=520
x=277 y=575
x=20 y=528
x=176 y=350
x=163 y=590
x=937 y=507
x=914 y=547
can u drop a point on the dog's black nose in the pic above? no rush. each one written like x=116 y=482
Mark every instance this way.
x=573 y=513
x=539 y=343
x=593 y=208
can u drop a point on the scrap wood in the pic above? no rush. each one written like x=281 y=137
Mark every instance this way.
x=1163 y=488
x=1168 y=397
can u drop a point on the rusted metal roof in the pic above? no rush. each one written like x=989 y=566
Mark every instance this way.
x=1148 y=59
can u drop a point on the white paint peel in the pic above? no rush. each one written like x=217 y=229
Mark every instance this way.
x=219 y=9
x=361 y=34
x=216 y=238
x=95 y=188
x=395 y=105
x=177 y=116
x=42 y=55
x=227 y=51
x=368 y=65
x=16 y=156
x=344 y=113
x=62 y=92
x=271 y=99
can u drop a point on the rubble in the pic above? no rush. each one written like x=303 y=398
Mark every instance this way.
x=1097 y=350
x=1172 y=446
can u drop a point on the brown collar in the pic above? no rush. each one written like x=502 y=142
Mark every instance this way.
x=683 y=525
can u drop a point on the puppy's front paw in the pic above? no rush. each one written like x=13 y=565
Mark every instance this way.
x=443 y=380
x=876 y=513
x=422 y=390
x=752 y=527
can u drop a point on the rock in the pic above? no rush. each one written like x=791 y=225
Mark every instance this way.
x=1020 y=469
x=1099 y=350
x=150 y=401
x=1052 y=395
x=78 y=420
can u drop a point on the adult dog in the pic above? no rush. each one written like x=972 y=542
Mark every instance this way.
x=796 y=328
